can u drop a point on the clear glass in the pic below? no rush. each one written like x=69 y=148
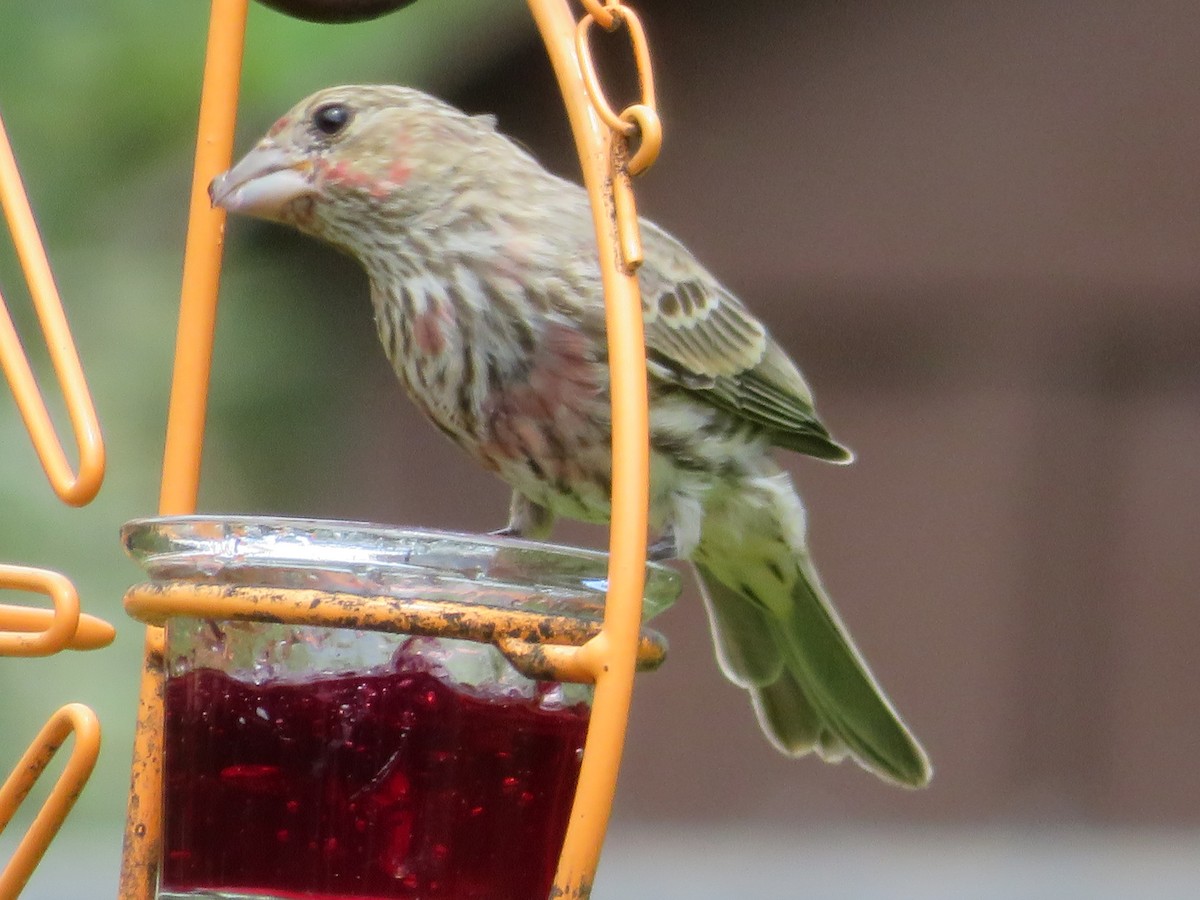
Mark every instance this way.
x=332 y=763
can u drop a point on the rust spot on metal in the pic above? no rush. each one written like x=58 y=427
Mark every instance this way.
x=525 y=637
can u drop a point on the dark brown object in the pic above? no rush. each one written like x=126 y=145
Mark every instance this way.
x=336 y=12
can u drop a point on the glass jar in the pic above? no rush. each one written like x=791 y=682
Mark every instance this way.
x=331 y=762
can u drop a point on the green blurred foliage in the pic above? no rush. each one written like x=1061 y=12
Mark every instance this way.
x=99 y=100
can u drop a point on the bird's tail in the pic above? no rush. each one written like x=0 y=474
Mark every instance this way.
x=778 y=637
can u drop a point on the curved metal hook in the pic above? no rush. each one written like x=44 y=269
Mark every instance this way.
x=74 y=717
x=74 y=488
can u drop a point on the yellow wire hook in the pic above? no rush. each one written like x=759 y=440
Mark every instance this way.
x=73 y=488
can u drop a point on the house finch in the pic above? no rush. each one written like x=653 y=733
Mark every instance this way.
x=489 y=304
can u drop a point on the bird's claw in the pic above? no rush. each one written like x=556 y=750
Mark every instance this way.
x=663 y=549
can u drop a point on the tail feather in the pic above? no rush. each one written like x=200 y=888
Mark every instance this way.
x=822 y=698
x=742 y=633
x=791 y=723
x=842 y=688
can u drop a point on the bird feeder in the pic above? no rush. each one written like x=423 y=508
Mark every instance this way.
x=265 y=637
x=603 y=653
x=353 y=710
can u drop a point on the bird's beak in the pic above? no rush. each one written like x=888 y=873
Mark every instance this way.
x=264 y=183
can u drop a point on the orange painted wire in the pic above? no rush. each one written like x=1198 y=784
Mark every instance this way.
x=611 y=654
x=202 y=260
x=28 y=631
x=74 y=717
x=74 y=488
x=185 y=421
x=640 y=118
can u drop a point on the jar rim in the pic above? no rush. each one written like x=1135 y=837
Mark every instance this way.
x=357 y=557
x=532 y=601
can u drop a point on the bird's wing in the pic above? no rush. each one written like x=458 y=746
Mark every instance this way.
x=700 y=337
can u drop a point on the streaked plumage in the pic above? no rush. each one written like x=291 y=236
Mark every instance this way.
x=488 y=303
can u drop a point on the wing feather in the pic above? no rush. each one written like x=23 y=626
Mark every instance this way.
x=701 y=338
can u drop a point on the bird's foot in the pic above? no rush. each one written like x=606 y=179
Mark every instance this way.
x=663 y=548
x=526 y=519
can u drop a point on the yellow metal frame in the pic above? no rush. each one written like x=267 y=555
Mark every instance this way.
x=540 y=645
x=610 y=656
x=72 y=718
x=73 y=488
x=31 y=631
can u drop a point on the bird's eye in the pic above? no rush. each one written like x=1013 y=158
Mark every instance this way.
x=331 y=118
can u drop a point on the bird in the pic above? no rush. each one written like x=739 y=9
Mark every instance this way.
x=487 y=297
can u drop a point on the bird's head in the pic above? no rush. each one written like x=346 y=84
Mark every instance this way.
x=348 y=158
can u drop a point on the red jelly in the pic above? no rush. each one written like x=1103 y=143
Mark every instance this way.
x=379 y=785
